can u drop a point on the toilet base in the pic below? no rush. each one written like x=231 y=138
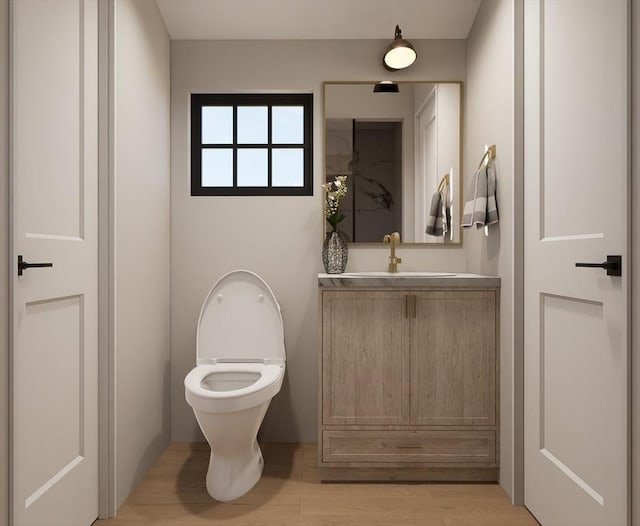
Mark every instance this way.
x=231 y=476
x=236 y=463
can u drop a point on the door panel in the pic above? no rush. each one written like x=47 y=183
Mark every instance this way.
x=365 y=382
x=51 y=93
x=54 y=192
x=583 y=83
x=576 y=177
x=453 y=359
x=51 y=343
x=425 y=175
x=572 y=384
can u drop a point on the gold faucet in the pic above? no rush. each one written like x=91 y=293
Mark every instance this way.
x=393 y=239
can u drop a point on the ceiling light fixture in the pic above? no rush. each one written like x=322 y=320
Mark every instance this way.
x=386 y=86
x=400 y=54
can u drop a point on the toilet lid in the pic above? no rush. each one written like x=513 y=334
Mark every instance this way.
x=240 y=321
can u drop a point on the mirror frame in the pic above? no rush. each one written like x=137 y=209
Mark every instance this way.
x=365 y=244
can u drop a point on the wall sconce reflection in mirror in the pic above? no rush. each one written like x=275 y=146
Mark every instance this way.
x=386 y=86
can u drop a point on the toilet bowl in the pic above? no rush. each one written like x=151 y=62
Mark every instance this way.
x=240 y=366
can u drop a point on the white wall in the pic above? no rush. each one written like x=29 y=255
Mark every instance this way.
x=490 y=120
x=4 y=260
x=635 y=266
x=142 y=247
x=280 y=238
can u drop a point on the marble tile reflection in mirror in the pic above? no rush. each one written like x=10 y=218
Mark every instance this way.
x=395 y=149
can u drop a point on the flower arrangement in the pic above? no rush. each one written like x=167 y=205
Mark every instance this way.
x=334 y=192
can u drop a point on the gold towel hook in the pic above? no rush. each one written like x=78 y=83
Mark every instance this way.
x=444 y=181
x=488 y=155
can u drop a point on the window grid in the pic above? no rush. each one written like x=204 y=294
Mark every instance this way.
x=199 y=101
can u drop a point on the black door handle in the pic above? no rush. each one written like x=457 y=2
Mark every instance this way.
x=613 y=265
x=22 y=265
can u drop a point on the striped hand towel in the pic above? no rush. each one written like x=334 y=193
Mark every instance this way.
x=434 y=221
x=481 y=208
x=439 y=220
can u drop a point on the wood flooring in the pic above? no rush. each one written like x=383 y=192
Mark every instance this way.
x=290 y=494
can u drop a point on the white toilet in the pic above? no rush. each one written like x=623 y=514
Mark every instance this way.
x=240 y=366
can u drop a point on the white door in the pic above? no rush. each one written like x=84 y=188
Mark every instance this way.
x=425 y=172
x=576 y=209
x=54 y=196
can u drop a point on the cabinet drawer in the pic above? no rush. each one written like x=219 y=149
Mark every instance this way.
x=409 y=446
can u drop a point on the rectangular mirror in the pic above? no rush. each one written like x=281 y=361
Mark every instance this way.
x=402 y=155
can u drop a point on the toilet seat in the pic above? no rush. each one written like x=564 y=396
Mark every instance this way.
x=210 y=401
x=240 y=321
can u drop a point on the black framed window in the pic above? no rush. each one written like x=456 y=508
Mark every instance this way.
x=251 y=144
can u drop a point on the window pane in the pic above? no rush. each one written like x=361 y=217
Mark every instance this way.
x=252 y=167
x=252 y=124
x=288 y=125
x=288 y=167
x=217 y=167
x=217 y=125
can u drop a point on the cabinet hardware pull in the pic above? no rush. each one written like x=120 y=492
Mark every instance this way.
x=408 y=446
x=414 y=302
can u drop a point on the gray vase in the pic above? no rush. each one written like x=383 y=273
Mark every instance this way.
x=335 y=251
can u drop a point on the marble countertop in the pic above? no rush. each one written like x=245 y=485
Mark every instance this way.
x=406 y=279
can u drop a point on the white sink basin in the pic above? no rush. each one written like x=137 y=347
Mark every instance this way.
x=377 y=274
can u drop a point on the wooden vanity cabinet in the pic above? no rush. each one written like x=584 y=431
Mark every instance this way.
x=408 y=384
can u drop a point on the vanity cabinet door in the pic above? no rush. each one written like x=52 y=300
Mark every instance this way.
x=453 y=355
x=365 y=369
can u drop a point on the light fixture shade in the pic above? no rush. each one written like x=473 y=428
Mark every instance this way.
x=386 y=86
x=400 y=54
